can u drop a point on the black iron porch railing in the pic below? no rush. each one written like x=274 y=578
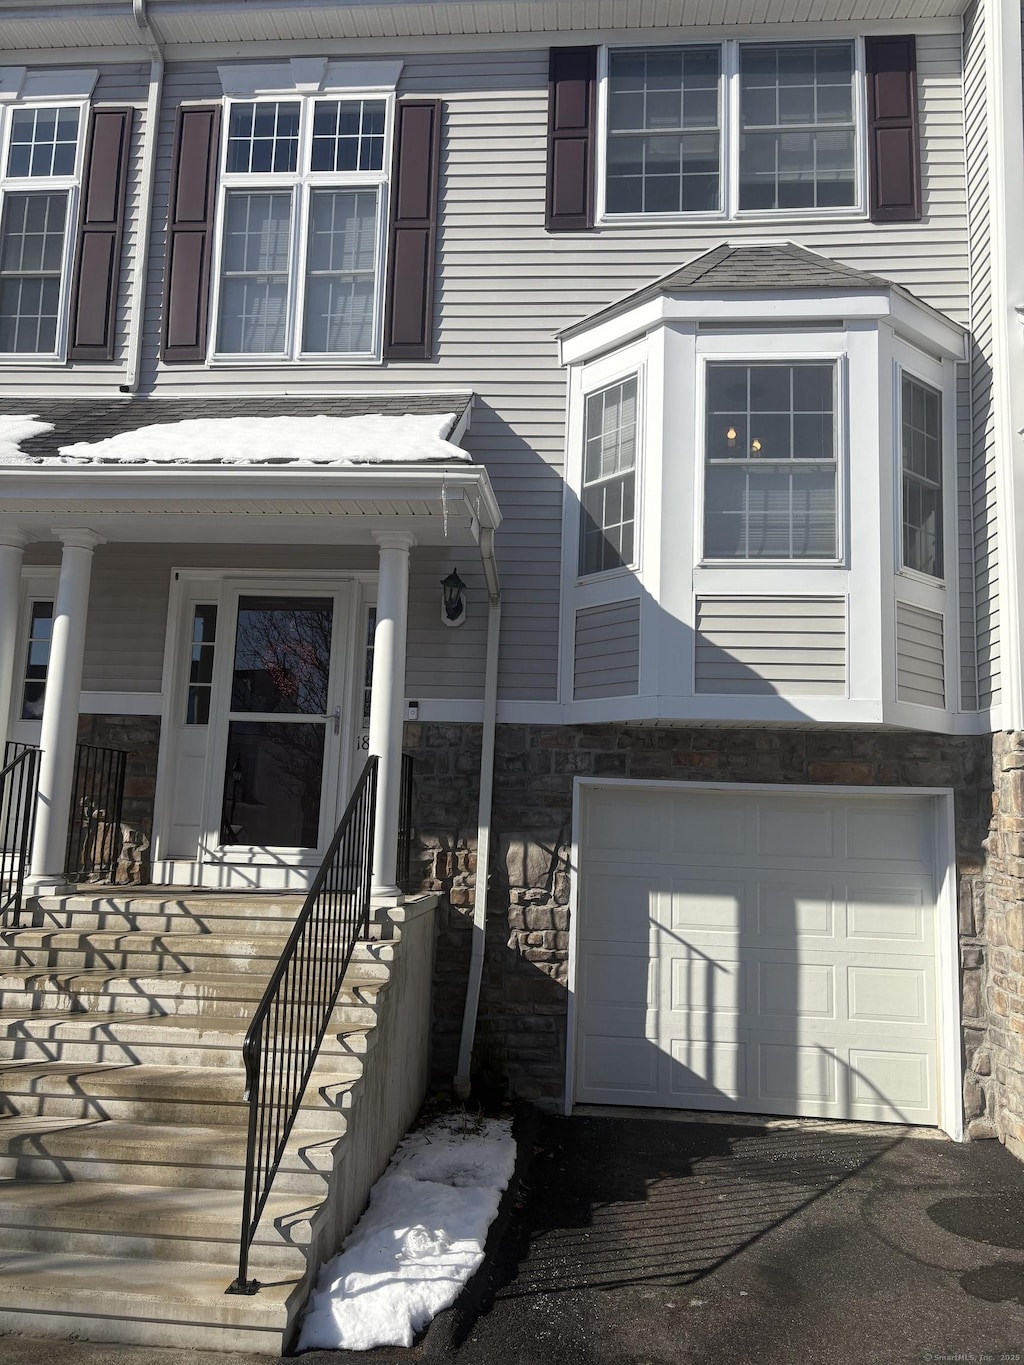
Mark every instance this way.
x=283 y=1040
x=404 y=868
x=18 y=779
x=97 y=798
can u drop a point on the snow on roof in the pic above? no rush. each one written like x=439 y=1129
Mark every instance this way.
x=369 y=439
x=14 y=430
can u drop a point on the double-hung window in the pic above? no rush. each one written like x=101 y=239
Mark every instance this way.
x=732 y=128
x=608 y=502
x=921 y=444
x=302 y=228
x=40 y=168
x=770 y=462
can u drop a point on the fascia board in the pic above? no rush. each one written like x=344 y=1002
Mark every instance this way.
x=785 y=306
x=926 y=328
x=231 y=484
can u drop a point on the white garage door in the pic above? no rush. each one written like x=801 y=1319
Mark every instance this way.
x=768 y=952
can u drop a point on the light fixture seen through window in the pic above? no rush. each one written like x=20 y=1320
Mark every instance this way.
x=453 y=599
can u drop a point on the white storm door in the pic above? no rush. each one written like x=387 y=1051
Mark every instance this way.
x=273 y=775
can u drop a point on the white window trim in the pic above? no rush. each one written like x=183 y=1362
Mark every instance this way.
x=300 y=185
x=596 y=382
x=729 y=134
x=46 y=184
x=783 y=355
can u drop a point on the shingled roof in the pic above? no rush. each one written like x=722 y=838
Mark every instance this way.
x=89 y=419
x=781 y=267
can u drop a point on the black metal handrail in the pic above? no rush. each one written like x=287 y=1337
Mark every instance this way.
x=18 y=780
x=97 y=800
x=405 y=792
x=283 y=1040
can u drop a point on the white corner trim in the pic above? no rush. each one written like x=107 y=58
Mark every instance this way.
x=11 y=80
x=59 y=85
x=307 y=75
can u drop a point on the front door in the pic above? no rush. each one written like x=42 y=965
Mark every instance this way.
x=275 y=736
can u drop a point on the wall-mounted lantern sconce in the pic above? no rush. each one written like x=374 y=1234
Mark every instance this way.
x=453 y=599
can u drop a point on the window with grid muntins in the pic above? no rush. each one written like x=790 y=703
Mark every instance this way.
x=35 y=219
x=770 y=462
x=608 y=512
x=792 y=147
x=301 y=228
x=37 y=663
x=921 y=440
x=663 y=131
x=797 y=147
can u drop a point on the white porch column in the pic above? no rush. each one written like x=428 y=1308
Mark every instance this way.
x=60 y=709
x=387 y=703
x=12 y=548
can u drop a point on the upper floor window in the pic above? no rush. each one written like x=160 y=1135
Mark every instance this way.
x=791 y=146
x=921 y=442
x=40 y=168
x=302 y=228
x=770 y=461
x=608 y=526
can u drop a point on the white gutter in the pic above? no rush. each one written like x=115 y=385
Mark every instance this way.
x=483 y=835
x=137 y=307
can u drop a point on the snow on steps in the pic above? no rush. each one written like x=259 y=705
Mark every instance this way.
x=122 y=1123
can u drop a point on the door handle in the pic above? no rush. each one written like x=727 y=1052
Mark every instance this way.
x=337 y=720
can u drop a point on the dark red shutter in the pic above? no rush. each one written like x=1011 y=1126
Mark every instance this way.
x=409 y=297
x=572 y=77
x=190 y=233
x=100 y=229
x=894 y=154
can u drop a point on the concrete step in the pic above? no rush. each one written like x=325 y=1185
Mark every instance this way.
x=231 y=995
x=147 y=1303
x=153 y=1221
x=158 y=1094
x=91 y=1149
x=165 y=1040
x=160 y=911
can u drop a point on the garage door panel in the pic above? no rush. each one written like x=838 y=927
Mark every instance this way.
x=793 y=975
x=787 y=910
x=699 y=984
x=719 y=904
x=610 y=1066
x=886 y=914
x=889 y=995
x=793 y=990
x=804 y=829
x=696 y=1072
x=897 y=831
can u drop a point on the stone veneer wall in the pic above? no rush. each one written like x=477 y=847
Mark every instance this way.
x=140 y=736
x=523 y=995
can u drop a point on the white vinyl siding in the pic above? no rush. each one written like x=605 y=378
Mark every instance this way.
x=920 y=671
x=791 y=647
x=505 y=288
x=607 y=651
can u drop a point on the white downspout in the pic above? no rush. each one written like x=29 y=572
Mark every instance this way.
x=483 y=834
x=137 y=308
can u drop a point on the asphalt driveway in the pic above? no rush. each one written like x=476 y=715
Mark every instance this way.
x=634 y=1240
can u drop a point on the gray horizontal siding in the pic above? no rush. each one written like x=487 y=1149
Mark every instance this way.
x=505 y=287
x=920 y=667
x=607 y=651
x=763 y=645
x=983 y=491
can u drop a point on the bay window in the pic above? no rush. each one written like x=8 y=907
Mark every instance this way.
x=921 y=452
x=302 y=228
x=608 y=515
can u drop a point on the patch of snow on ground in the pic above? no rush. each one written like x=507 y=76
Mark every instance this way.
x=14 y=430
x=419 y=1241
x=372 y=439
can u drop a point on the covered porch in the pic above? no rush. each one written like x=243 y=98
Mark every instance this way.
x=246 y=615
